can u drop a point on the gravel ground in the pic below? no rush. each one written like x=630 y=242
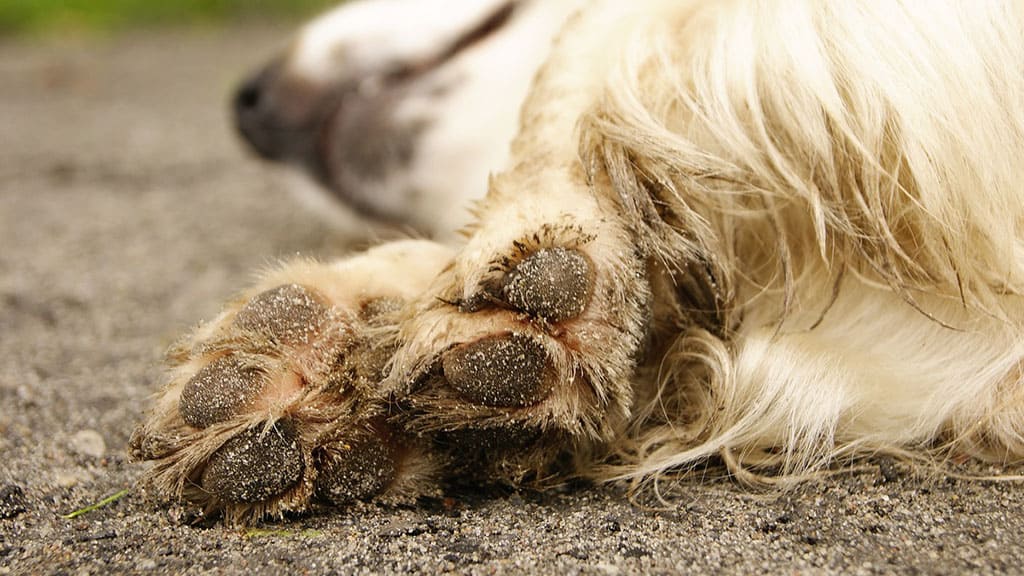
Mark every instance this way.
x=128 y=212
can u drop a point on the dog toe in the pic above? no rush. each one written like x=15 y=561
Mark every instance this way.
x=552 y=283
x=356 y=469
x=256 y=465
x=220 y=390
x=503 y=370
x=291 y=313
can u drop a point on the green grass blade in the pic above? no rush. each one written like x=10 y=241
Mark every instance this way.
x=98 y=505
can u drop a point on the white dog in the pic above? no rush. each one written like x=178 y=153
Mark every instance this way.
x=779 y=233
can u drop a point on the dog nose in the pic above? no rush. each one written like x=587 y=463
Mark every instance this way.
x=248 y=96
x=255 y=116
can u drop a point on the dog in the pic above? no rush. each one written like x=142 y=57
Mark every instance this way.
x=777 y=235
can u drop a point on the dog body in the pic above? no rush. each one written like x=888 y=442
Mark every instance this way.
x=783 y=233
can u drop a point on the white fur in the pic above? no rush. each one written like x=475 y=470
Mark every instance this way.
x=851 y=171
x=870 y=149
x=373 y=34
x=853 y=174
x=468 y=105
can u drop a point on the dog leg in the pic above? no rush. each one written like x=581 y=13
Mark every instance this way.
x=525 y=346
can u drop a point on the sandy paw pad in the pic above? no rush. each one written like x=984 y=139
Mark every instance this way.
x=256 y=465
x=291 y=313
x=220 y=390
x=504 y=370
x=357 y=469
x=270 y=417
x=513 y=369
x=554 y=284
x=519 y=355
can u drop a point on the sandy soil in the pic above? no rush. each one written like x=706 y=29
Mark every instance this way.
x=128 y=212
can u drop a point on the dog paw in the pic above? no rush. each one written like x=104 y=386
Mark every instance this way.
x=525 y=351
x=277 y=404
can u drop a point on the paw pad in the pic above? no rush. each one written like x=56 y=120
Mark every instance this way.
x=256 y=465
x=552 y=283
x=505 y=370
x=220 y=390
x=292 y=314
x=354 y=470
x=281 y=404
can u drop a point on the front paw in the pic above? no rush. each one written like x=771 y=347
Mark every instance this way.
x=277 y=404
x=520 y=356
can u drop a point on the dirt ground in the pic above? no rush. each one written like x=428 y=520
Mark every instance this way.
x=128 y=212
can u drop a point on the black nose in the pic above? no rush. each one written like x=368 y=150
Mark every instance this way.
x=255 y=116
x=247 y=99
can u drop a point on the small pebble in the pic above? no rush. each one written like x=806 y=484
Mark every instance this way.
x=88 y=443
x=71 y=477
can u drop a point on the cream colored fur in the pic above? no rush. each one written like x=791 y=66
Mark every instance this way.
x=871 y=150
x=801 y=230
x=852 y=173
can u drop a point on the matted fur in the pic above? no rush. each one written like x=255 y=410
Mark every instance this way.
x=853 y=172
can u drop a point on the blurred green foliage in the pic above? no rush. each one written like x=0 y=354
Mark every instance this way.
x=34 y=16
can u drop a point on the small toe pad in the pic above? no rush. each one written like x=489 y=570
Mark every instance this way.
x=553 y=283
x=256 y=465
x=218 y=391
x=504 y=370
x=290 y=313
x=354 y=470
